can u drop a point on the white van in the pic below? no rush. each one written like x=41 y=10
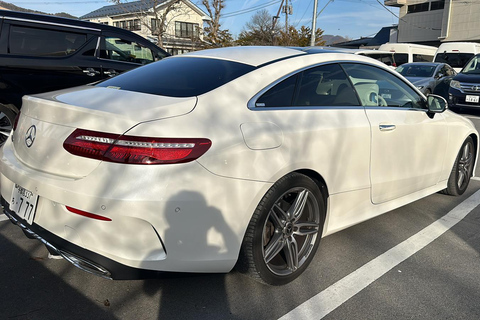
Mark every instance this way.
x=382 y=56
x=409 y=52
x=456 y=54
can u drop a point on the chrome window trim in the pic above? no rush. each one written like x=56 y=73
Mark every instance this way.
x=251 y=103
x=52 y=24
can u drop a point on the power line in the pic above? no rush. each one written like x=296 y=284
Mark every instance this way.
x=247 y=10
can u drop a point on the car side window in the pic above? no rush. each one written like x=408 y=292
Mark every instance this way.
x=116 y=48
x=377 y=87
x=325 y=86
x=43 y=42
x=319 y=86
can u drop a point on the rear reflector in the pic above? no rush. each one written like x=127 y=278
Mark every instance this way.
x=87 y=214
x=15 y=122
x=133 y=149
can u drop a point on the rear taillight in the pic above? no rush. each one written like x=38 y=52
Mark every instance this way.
x=133 y=149
x=15 y=122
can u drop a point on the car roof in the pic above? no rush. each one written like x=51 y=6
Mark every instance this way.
x=251 y=55
x=259 y=56
x=15 y=15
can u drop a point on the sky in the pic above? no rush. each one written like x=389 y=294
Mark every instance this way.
x=347 y=18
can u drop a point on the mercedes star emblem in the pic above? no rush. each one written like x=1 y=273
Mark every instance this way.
x=30 y=136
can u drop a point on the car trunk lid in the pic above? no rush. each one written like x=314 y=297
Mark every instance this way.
x=47 y=120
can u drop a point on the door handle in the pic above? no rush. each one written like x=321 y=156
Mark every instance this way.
x=387 y=127
x=111 y=72
x=91 y=72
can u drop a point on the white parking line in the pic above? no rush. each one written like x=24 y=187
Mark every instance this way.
x=3 y=217
x=476 y=178
x=334 y=296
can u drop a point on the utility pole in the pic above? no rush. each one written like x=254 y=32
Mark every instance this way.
x=314 y=23
x=287 y=9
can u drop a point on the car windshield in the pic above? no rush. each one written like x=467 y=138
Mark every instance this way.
x=417 y=71
x=179 y=76
x=454 y=59
x=473 y=66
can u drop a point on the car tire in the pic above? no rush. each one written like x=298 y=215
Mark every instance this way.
x=7 y=118
x=284 y=232
x=462 y=169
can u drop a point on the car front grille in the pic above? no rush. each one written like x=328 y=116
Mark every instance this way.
x=470 y=87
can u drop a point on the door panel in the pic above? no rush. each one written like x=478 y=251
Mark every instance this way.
x=409 y=156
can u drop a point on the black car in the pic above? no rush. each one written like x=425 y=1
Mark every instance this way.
x=40 y=53
x=464 y=89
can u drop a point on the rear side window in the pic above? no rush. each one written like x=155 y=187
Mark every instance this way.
x=179 y=76
x=401 y=58
x=43 y=42
x=422 y=58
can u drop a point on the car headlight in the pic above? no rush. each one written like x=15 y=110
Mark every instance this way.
x=455 y=84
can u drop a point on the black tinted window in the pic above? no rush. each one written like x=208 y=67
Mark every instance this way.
x=401 y=58
x=280 y=95
x=44 y=42
x=319 y=86
x=455 y=60
x=179 y=76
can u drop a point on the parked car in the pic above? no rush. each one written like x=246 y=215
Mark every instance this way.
x=429 y=77
x=464 y=89
x=41 y=53
x=246 y=156
x=409 y=52
x=456 y=54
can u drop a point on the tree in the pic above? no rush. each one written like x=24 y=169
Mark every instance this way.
x=259 y=30
x=300 y=37
x=213 y=34
x=155 y=15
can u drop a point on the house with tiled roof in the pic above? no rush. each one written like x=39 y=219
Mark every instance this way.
x=183 y=23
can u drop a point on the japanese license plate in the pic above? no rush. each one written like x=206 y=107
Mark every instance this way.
x=473 y=99
x=24 y=203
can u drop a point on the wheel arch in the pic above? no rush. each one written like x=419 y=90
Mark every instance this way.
x=475 y=144
x=319 y=181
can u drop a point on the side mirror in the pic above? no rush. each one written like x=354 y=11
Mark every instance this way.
x=436 y=104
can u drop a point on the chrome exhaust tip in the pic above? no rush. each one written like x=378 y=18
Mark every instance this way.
x=85 y=265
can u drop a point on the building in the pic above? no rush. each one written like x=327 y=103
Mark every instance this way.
x=434 y=21
x=184 y=23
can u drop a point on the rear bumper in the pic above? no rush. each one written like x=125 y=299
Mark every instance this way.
x=81 y=258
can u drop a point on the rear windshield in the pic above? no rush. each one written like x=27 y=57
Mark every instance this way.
x=454 y=59
x=179 y=76
x=416 y=70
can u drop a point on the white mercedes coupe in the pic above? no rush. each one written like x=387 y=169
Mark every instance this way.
x=243 y=156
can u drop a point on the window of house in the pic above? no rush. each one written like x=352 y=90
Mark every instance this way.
x=186 y=30
x=437 y=5
x=419 y=7
x=44 y=42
